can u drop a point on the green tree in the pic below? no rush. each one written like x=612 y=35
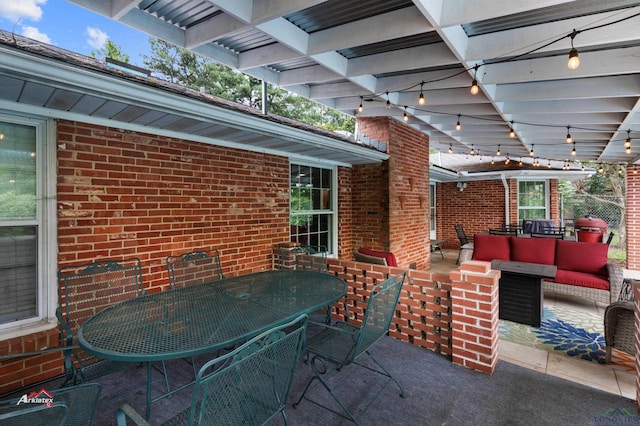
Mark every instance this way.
x=606 y=187
x=190 y=70
x=110 y=50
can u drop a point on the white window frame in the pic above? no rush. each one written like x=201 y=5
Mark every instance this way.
x=547 y=197
x=333 y=211
x=47 y=294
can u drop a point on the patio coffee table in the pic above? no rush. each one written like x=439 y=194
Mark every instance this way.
x=520 y=290
x=204 y=318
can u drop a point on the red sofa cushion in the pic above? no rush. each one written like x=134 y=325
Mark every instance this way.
x=578 y=256
x=533 y=250
x=581 y=279
x=490 y=247
x=389 y=257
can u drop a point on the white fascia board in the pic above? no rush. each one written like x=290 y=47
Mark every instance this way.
x=69 y=77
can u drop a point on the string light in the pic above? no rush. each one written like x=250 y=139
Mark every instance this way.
x=573 y=151
x=472 y=152
x=388 y=101
x=498 y=151
x=601 y=168
x=474 y=84
x=569 y=138
x=450 y=149
x=549 y=164
x=492 y=161
x=405 y=116
x=421 y=99
x=458 y=125
x=360 y=107
x=520 y=163
x=531 y=152
x=512 y=133
x=627 y=143
x=574 y=60
x=507 y=160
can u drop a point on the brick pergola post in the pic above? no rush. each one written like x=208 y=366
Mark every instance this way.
x=474 y=322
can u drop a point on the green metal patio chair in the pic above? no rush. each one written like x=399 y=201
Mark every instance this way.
x=344 y=344
x=248 y=386
x=84 y=290
x=72 y=406
x=195 y=267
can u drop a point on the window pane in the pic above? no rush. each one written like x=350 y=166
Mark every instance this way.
x=311 y=195
x=17 y=172
x=532 y=200
x=18 y=266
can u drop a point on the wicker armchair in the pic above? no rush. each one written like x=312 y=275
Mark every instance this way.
x=619 y=323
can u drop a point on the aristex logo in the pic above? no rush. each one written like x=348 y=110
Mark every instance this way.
x=40 y=397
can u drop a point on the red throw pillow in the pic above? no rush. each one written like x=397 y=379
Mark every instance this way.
x=533 y=250
x=582 y=257
x=390 y=257
x=490 y=247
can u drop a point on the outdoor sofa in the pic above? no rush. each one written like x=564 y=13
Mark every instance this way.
x=583 y=267
x=377 y=257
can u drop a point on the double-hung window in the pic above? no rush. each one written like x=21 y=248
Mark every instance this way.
x=533 y=199
x=25 y=210
x=312 y=216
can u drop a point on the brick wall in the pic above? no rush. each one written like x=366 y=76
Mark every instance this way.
x=481 y=206
x=124 y=194
x=391 y=200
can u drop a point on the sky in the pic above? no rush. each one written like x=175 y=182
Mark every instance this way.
x=70 y=27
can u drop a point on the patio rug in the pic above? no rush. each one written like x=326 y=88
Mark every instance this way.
x=573 y=333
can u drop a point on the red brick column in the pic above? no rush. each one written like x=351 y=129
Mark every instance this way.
x=474 y=322
x=633 y=216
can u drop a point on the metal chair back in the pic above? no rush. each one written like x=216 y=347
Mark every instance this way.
x=84 y=290
x=381 y=308
x=345 y=344
x=247 y=386
x=35 y=414
x=512 y=232
x=195 y=267
x=305 y=257
x=462 y=236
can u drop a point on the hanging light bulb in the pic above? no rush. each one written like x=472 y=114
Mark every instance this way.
x=574 y=60
x=601 y=168
x=474 y=84
x=628 y=150
x=520 y=162
x=507 y=161
x=472 y=152
x=421 y=99
x=569 y=138
x=531 y=152
x=492 y=161
x=498 y=151
x=620 y=171
x=512 y=133
x=549 y=164
x=450 y=149
x=582 y=168
x=360 y=107
x=388 y=101
x=627 y=143
x=458 y=125
x=405 y=116
x=573 y=151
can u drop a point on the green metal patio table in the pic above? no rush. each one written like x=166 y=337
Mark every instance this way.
x=204 y=318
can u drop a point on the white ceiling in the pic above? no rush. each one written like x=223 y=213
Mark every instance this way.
x=346 y=52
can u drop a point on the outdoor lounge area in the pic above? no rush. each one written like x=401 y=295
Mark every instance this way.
x=170 y=254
